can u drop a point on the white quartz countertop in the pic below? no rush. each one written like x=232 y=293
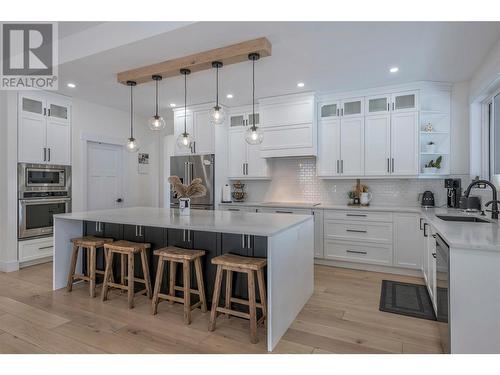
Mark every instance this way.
x=258 y=224
x=464 y=235
x=467 y=235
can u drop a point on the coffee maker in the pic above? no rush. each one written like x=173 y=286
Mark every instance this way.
x=454 y=190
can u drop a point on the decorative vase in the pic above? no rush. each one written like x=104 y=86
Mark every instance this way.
x=430 y=170
x=184 y=206
x=365 y=198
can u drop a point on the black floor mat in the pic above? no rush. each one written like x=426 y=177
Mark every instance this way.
x=406 y=299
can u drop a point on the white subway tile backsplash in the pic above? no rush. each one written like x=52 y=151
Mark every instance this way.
x=294 y=179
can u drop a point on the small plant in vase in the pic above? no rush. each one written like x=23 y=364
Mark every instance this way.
x=185 y=192
x=352 y=196
x=433 y=166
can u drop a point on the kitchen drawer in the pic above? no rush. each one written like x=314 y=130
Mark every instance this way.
x=296 y=211
x=358 y=230
x=38 y=248
x=359 y=252
x=358 y=215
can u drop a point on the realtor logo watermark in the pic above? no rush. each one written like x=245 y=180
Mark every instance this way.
x=29 y=56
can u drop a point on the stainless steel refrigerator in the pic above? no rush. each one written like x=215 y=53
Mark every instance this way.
x=187 y=168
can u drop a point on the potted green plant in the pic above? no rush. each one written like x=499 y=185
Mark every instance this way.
x=433 y=166
x=351 y=196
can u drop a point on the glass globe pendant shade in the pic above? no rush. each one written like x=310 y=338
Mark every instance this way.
x=217 y=115
x=184 y=140
x=254 y=135
x=157 y=123
x=132 y=145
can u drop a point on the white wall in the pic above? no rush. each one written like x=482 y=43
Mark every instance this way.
x=3 y=174
x=460 y=128
x=103 y=123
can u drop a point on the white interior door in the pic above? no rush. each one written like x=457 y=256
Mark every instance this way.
x=104 y=176
x=377 y=145
x=404 y=143
x=352 y=146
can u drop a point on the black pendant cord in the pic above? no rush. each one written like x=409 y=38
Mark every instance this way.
x=131 y=112
x=185 y=104
x=156 y=115
x=217 y=87
x=253 y=94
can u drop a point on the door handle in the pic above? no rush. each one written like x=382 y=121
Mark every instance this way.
x=393 y=106
x=342 y=165
x=243 y=241
x=338 y=166
x=342 y=111
x=388 y=165
x=425 y=232
x=388 y=108
x=49 y=153
x=248 y=242
x=183 y=235
x=434 y=255
x=45 y=111
x=243 y=166
x=45 y=154
x=421 y=219
x=392 y=165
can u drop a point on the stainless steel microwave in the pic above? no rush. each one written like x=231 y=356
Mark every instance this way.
x=42 y=177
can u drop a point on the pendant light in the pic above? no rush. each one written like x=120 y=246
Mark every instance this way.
x=156 y=122
x=254 y=134
x=132 y=145
x=184 y=140
x=217 y=114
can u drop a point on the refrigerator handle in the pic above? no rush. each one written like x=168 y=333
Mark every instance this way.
x=191 y=172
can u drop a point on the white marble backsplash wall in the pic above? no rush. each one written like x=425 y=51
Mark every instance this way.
x=294 y=179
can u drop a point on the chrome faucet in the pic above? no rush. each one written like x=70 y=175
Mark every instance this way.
x=494 y=203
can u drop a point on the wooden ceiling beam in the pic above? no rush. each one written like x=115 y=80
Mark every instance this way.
x=232 y=54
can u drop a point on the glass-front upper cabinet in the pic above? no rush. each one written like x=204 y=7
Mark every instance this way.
x=236 y=120
x=405 y=101
x=377 y=104
x=329 y=110
x=352 y=107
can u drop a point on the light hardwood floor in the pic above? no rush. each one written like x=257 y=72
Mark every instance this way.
x=341 y=317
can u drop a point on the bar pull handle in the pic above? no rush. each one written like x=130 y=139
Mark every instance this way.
x=49 y=153
x=357 y=215
x=189 y=235
x=233 y=209
x=46 y=247
x=243 y=241
x=183 y=235
x=248 y=242
x=284 y=212
x=342 y=165
x=45 y=154
x=356 y=231
x=338 y=166
x=100 y=226
x=97 y=226
x=421 y=220
x=425 y=232
x=388 y=165
x=392 y=165
x=356 y=252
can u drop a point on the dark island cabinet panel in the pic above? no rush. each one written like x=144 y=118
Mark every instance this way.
x=157 y=237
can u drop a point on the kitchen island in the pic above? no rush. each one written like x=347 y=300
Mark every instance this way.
x=287 y=241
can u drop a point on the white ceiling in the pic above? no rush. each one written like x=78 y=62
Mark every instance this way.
x=327 y=56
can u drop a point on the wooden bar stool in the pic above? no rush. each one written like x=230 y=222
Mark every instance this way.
x=127 y=250
x=176 y=255
x=251 y=266
x=91 y=244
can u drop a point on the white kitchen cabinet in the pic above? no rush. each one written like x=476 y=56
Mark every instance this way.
x=199 y=127
x=353 y=107
x=44 y=129
x=36 y=250
x=406 y=101
x=352 y=146
x=244 y=160
x=377 y=104
x=377 y=145
x=407 y=241
x=329 y=147
x=318 y=233
x=404 y=143
x=289 y=126
x=431 y=277
x=243 y=116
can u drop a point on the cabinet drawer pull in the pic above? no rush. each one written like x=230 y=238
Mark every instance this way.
x=243 y=241
x=356 y=252
x=388 y=165
x=284 y=212
x=248 y=242
x=421 y=219
x=357 y=215
x=356 y=231
x=46 y=247
x=425 y=232
x=233 y=209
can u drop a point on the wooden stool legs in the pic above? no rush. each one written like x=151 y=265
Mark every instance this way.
x=252 y=303
x=186 y=287
x=128 y=264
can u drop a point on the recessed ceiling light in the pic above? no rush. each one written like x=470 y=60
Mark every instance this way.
x=229 y=96
x=71 y=85
x=301 y=84
x=394 y=69
x=173 y=105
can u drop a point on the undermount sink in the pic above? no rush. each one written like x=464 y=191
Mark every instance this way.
x=469 y=219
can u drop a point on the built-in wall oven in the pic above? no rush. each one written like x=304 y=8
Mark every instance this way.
x=443 y=291
x=43 y=191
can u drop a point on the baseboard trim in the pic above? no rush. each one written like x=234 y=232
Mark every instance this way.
x=9 y=266
x=370 y=267
x=35 y=261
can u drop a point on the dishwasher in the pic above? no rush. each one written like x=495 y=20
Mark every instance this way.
x=443 y=291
